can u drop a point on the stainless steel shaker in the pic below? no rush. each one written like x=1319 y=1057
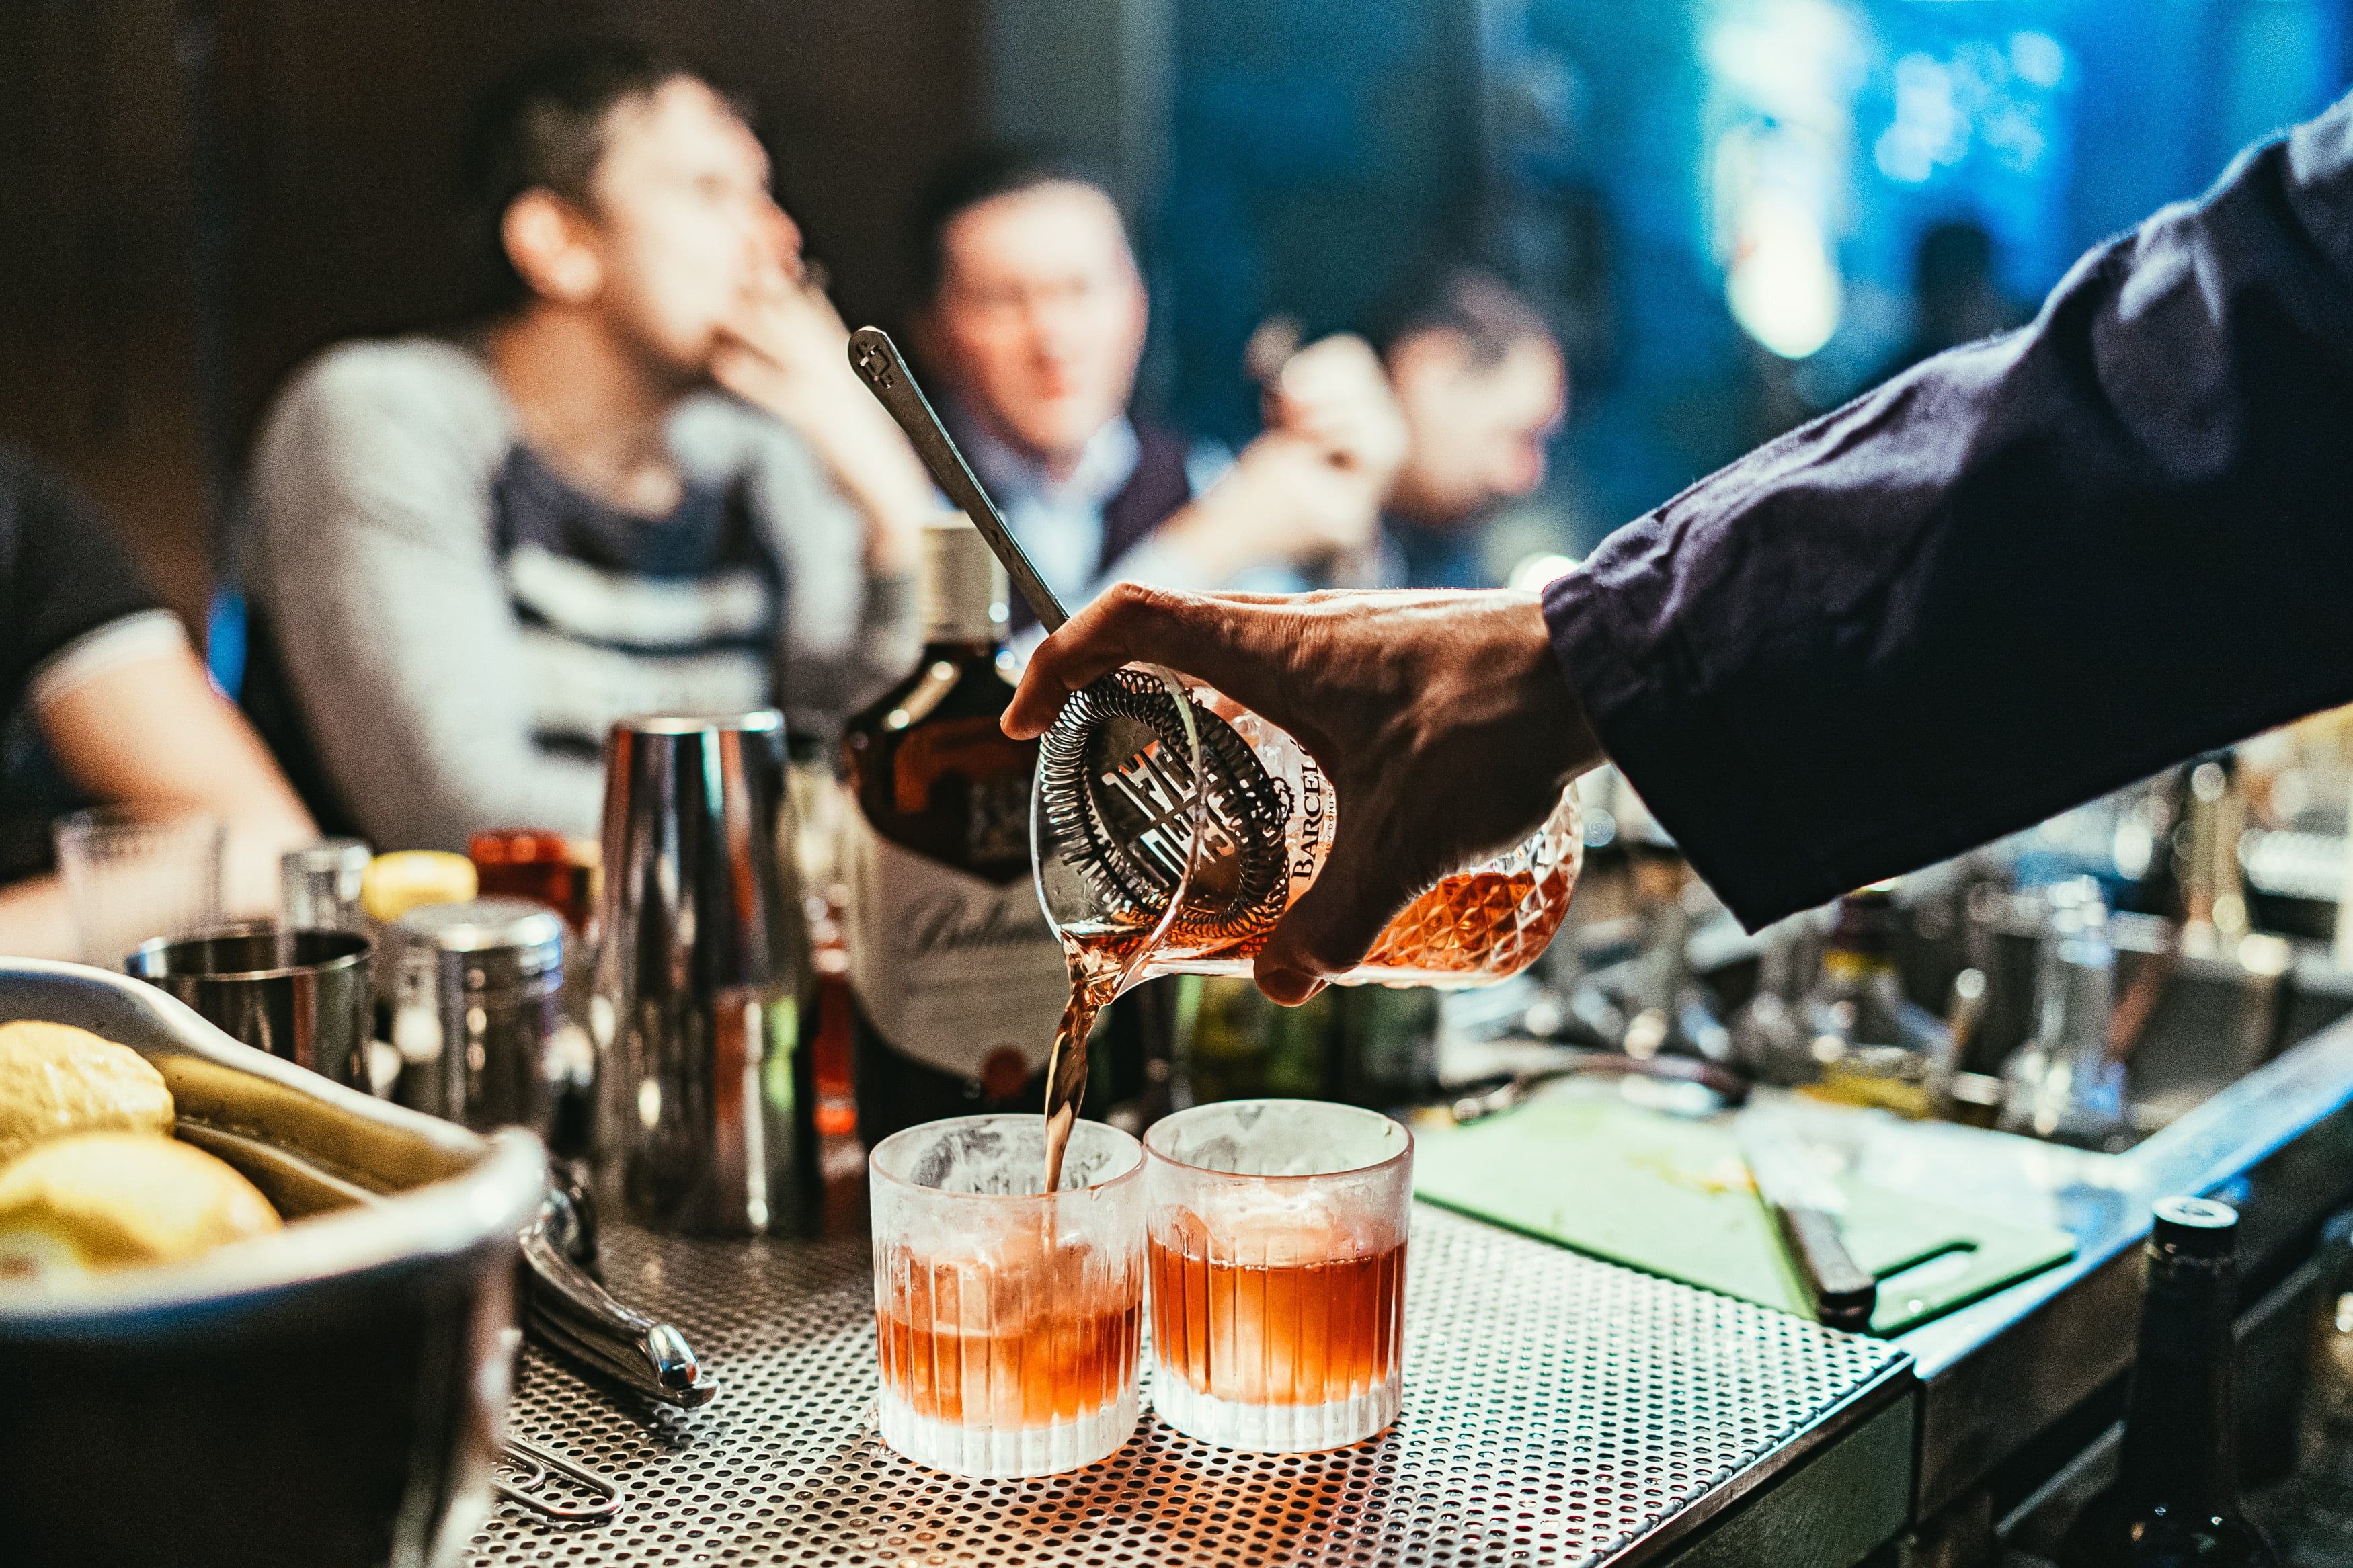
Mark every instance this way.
x=694 y=1014
x=477 y=1021
x=481 y=1037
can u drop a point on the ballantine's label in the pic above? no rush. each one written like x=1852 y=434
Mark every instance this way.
x=952 y=970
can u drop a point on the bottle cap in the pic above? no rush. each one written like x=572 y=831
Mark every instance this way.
x=962 y=591
x=2199 y=1227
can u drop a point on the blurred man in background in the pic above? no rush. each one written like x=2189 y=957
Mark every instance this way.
x=102 y=700
x=1482 y=385
x=1033 y=316
x=1955 y=296
x=648 y=481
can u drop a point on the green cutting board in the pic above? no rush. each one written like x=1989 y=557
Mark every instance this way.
x=1670 y=1195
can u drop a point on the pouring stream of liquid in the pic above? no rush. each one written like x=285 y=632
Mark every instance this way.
x=1105 y=960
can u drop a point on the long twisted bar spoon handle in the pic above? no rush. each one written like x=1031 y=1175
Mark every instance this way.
x=877 y=360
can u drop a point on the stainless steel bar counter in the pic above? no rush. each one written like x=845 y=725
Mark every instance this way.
x=1557 y=1409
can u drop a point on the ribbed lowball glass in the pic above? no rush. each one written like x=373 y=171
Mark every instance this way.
x=1008 y=1321
x=132 y=872
x=1277 y=1240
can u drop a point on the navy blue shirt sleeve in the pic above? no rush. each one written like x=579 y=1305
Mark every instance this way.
x=63 y=572
x=2021 y=574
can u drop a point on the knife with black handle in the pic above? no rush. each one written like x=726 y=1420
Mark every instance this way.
x=1806 y=1207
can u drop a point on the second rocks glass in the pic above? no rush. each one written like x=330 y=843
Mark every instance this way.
x=1277 y=1243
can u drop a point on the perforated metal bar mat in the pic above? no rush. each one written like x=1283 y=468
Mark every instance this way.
x=1557 y=1409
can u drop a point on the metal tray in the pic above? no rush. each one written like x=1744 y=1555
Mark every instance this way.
x=329 y=1395
x=1557 y=1409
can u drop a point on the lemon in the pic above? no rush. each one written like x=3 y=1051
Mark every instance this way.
x=103 y=1200
x=55 y=1079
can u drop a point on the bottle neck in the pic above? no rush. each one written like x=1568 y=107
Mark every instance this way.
x=960 y=651
x=960 y=592
x=2180 y=1438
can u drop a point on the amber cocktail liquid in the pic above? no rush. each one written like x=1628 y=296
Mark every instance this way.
x=1278 y=1253
x=1314 y=1334
x=1066 y=1365
x=1006 y=1321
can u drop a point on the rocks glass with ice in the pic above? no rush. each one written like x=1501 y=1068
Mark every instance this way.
x=1007 y=1320
x=1276 y=1238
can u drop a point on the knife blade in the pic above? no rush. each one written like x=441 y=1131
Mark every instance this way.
x=1806 y=1206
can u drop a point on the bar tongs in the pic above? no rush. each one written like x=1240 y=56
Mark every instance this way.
x=571 y=1311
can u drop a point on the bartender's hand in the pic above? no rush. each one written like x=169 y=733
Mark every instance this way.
x=787 y=351
x=1442 y=719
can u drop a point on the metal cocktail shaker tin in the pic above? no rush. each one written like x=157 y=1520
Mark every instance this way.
x=300 y=995
x=478 y=1018
x=703 y=1090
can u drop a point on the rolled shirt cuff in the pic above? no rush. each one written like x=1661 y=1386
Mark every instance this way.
x=128 y=639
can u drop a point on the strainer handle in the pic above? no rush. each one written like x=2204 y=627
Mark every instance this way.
x=877 y=360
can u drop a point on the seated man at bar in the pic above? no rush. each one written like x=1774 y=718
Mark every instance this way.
x=1033 y=318
x=646 y=481
x=1482 y=385
x=104 y=702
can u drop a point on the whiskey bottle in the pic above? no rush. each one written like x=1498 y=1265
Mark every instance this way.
x=957 y=978
x=2175 y=1500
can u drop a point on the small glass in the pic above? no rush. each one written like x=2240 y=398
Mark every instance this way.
x=318 y=885
x=133 y=872
x=1277 y=1239
x=1006 y=1321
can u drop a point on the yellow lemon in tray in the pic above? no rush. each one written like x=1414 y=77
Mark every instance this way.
x=56 y=1081
x=102 y=1200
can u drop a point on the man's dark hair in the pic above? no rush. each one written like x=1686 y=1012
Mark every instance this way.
x=982 y=176
x=543 y=125
x=1488 y=315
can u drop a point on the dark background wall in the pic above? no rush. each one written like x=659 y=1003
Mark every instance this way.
x=194 y=194
x=197 y=193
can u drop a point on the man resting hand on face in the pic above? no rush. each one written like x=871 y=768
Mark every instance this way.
x=647 y=480
x=1032 y=322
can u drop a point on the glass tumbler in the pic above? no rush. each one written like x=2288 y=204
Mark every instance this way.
x=131 y=873
x=1276 y=1238
x=1007 y=1319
